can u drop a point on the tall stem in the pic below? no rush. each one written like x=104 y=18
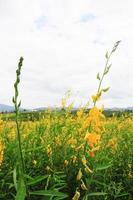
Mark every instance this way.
x=17 y=106
x=100 y=83
x=106 y=68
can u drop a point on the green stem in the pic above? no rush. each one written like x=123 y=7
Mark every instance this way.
x=17 y=105
x=106 y=67
x=19 y=144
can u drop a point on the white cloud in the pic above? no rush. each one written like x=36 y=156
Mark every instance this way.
x=63 y=43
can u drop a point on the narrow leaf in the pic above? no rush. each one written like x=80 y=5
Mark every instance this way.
x=106 y=55
x=13 y=100
x=103 y=167
x=98 y=76
x=121 y=195
x=21 y=190
x=19 y=104
x=109 y=66
x=105 y=89
x=15 y=178
x=97 y=194
x=37 y=180
x=49 y=193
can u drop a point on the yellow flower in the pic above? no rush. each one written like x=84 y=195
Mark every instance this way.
x=74 y=158
x=91 y=153
x=34 y=162
x=12 y=134
x=96 y=113
x=49 y=150
x=63 y=103
x=79 y=113
x=1 y=152
x=113 y=144
x=72 y=142
x=57 y=140
x=97 y=96
x=93 y=139
x=94 y=120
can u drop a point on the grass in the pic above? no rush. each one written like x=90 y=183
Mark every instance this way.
x=64 y=155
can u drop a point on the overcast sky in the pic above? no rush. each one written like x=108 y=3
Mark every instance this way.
x=63 y=43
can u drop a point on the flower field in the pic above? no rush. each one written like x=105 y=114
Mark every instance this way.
x=66 y=154
x=70 y=155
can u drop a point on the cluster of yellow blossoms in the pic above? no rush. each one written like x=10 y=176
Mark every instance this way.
x=2 y=146
x=93 y=136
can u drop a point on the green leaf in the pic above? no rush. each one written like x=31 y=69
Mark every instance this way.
x=121 y=195
x=28 y=177
x=21 y=190
x=98 y=76
x=37 y=180
x=103 y=167
x=59 y=198
x=98 y=182
x=109 y=67
x=116 y=45
x=13 y=99
x=49 y=193
x=97 y=194
x=15 y=178
x=59 y=185
x=105 y=89
x=19 y=104
x=106 y=55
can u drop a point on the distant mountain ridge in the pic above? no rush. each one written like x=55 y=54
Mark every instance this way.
x=76 y=108
x=6 y=108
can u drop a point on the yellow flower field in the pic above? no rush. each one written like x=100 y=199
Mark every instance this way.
x=90 y=154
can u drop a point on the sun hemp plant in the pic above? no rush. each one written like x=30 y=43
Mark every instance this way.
x=107 y=67
x=94 y=122
x=19 y=169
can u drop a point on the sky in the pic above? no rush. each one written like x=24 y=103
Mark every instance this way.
x=63 y=43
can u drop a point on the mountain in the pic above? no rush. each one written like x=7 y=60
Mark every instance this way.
x=119 y=109
x=6 y=108
x=129 y=108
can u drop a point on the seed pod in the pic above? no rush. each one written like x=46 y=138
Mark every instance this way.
x=79 y=175
x=83 y=186
x=76 y=196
